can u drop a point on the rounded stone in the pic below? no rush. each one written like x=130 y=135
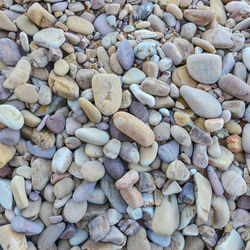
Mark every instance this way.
x=177 y=171
x=92 y=171
x=9 y=136
x=79 y=25
x=61 y=160
x=56 y=123
x=26 y=93
x=125 y=54
x=180 y=135
x=61 y=67
x=246 y=138
x=204 y=68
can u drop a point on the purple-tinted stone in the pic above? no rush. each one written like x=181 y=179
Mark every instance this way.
x=244 y=202
x=145 y=10
x=42 y=123
x=4 y=93
x=187 y=194
x=61 y=6
x=200 y=157
x=56 y=123
x=39 y=152
x=68 y=232
x=117 y=134
x=102 y=26
x=102 y=125
x=28 y=186
x=169 y=152
x=125 y=54
x=228 y=63
x=34 y=196
x=139 y=110
x=11 y=14
x=83 y=191
x=9 y=136
x=198 y=135
x=128 y=226
x=9 y=52
x=5 y=171
x=17 y=104
x=97 y=4
x=115 y=168
x=215 y=181
x=80 y=116
x=121 y=2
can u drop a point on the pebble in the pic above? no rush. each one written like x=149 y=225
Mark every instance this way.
x=129 y=153
x=163 y=241
x=198 y=16
x=107 y=93
x=6 y=199
x=92 y=171
x=114 y=167
x=235 y=87
x=98 y=227
x=200 y=157
x=39 y=152
x=177 y=171
x=26 y=25
x=10 y=239
x=83 y=191
x=79 y=25
x=102 y=26
x=202 y=103
x=18 y=190
x=63 y=187
x=9 y=136
x=214 y=181
x=129 y=227
x=21 y=225
x=204 y=68
x=128 y=124
x=50 y=235
x=125 y=54
x=26 y=93
x=145 y=49
x=148 y=154
x=172 y=52
x=246 y=56
x=230 y=179
x=156 y=23
x=9 y=52
x=139 y=110
x=79 y=237
x=166 y=217
x=169 y=152
x=133 y=76
x=61 y=160
x=56 y=123
x=245 y=141
x=50 y=37
x=203 y=198
x=155 y=87
x=180 y=135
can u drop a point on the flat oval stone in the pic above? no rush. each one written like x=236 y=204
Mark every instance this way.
x=246 y=57
x=114 y=167
x=200 y=157
x=169 y=151
x=235 y=87
x=26 y=93
x=125 y=54
x=11 y=117
x=155 y=87
x=133 y=76
x=92 y=171
x=83 y=191
x=61 y=160
x=9 y=52
x=246 y=138
x=134 y=128
x=102 y=26
x=79 y=25
x=39 y=152
x=139 y=110
x=9 y=136
x=56 y=123
x=204 y=68
x=50 y=37
x=107 y=93
x=202 y=103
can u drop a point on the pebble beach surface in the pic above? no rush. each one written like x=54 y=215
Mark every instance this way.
x=124 y=125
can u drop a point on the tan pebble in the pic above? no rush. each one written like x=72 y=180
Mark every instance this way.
x=92 y=171
x=126 y=99
x=134 y=128
x=44 y=138
x=182 y=119
x=177 y=171
x=40 y=16
x=171 y=187
x=61 y=67
x=93 y=151
x=233 y=127
x=103 y=57
x=203 y=44
x=19 y=75
x=30 y=119
x=185 y=3
x=155 y=87
x=115 y=64
x=6 y=154
x=199 y=17
x=132 y=197
x=151 y=69
x=213 y=125
x=203 y=195
x=24 y=171
x=107 y=93
x=90 y=110
x=164 y=3
x=26 y=93
x=6 y=23
x=45 y=95
x=19 y=193
x=175 y=10
x=148 y=154
x=11 y=240
x=79 y=25
x=63 y=86
x=218 y=7
x=112 y=148
x=128 y=180
x=181 y=77
x=63 y=187
x=181 y=135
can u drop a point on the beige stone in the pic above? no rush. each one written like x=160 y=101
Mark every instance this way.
x=132 y=197
x=182 y=119
x=93 y=151
x=164 y=3
x=10 y=240
x=203 y=194
x=148 y=154
x=6 y=154
x=112 y=148
x=90 y=110
x=139 y=240
x=6 y=23
x=18 y=189
x=92 y=171
x=198 y=16
x=181 y=77
x=40 y=16
x=63 y=86
x=181 y=135
x=166 y=216
x=213 y=125
x=26 y=93
x=155 y=87
x=19 y=75
x=203 y=44
x=107 y=93
x=134 y=128
x=127 y=180
x=24 y=24
x=79 y=25
x=175 y=10
x=115 y=64
x=63 y=187
x=177 y=171
x=61 y=67
x=44 y=138
x=30 y=119
x=103 y=57
x=218 y=7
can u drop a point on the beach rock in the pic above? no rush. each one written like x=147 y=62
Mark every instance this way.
x=9 y=52
x=79 y=25
x=125 y=54
x=102 y=26
x=9 y=136
x=169 y=152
